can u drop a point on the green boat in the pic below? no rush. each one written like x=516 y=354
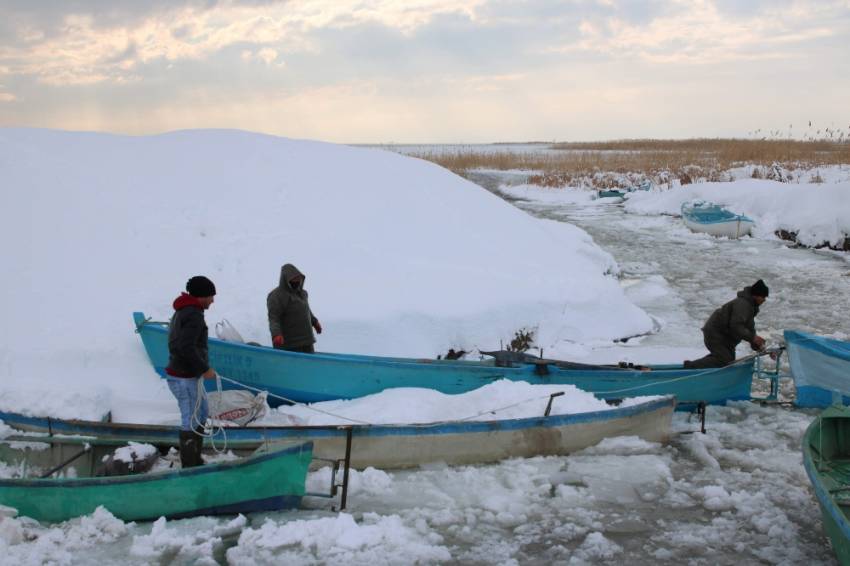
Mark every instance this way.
x=272 y=479
x=826 y=457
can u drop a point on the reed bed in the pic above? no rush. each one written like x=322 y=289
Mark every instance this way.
x=613 y=163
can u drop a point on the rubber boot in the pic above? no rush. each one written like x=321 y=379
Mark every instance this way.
x=199 y=445
x=188 y=448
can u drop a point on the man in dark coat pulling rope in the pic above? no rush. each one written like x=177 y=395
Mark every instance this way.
x=729 y=325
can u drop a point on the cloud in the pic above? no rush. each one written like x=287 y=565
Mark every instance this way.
x=699 y=31
x=83 y=47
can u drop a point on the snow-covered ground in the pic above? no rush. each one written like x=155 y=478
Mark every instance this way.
x=737 y=494
x=402 y=257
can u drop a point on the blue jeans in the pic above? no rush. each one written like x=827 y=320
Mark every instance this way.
x=185 y=389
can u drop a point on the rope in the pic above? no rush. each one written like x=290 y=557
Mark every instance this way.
x=208 y=425
x=291 y=402
x=695 y=375
x=306 y=406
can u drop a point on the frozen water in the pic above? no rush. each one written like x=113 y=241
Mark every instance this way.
x=735 y=495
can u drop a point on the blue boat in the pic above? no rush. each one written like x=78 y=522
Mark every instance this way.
x=820 y=367
x=713 y=219
x=387 y=446
x=611 y=193
x=308 y=378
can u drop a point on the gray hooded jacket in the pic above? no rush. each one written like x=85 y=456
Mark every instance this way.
x=734 y=321
x=289 y=312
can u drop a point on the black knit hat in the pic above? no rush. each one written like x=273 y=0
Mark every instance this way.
x=200 y=286
x=759 y=289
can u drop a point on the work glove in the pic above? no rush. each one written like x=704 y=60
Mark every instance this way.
x=757 y=343
x=277 y=340
x=318 y=326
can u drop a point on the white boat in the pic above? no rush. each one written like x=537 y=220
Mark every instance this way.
x=713 y=219
x=403 y=445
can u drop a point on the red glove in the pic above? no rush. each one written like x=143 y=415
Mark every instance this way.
x=277 y=340
x=318 y=326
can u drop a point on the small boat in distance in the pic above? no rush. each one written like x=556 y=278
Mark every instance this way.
x=713 y=219
x=611 y=193
x=826 y=458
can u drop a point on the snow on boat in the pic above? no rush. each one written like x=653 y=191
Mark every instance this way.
x=308 y=378
x=820 y=367
x=826 y=457
x=401 y=445
x=713 y=219
x=267 y=481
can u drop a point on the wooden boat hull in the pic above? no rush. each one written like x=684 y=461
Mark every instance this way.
x=308 y=378
x=820 y=367
x=826 y=458
x=402 y=446
x=265 y=482
x=716 y=221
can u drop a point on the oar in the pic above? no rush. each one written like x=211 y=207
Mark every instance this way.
x=66 y=462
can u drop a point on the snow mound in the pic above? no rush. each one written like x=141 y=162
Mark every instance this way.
x=402 y=257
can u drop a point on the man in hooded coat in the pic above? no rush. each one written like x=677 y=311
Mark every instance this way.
x=291 y=322
x=729 y=325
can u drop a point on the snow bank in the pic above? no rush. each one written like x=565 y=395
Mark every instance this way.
x=402 y=257
x=502 y=399
x=816 y=212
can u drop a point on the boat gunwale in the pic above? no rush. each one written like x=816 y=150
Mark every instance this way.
x=437 y=428
x=821 y=344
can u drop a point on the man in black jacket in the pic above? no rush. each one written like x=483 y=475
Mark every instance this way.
x=729 y=325
x=188 y=363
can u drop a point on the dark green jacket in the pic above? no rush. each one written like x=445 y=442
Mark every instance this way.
x=289 y=311
x=734 y=321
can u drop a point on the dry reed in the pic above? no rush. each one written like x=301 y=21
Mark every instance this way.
x=605 y=164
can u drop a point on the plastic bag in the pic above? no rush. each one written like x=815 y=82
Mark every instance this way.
x=225 y=331
x=237 y=406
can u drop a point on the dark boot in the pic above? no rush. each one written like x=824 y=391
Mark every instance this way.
x=199 y=446
x=188 y=449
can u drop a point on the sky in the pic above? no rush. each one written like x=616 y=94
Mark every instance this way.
x=428 y=71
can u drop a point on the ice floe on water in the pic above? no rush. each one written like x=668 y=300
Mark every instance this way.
x=737 y=494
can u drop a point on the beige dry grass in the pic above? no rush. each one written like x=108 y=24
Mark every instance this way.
x=605 y=164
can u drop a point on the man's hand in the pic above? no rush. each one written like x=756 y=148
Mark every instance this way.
x=277 y=340
x=209 y=374
x=318 y=327
x=758 y=343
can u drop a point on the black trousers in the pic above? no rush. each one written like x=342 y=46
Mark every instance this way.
x=721 y=353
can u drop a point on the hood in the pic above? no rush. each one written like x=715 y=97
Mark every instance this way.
x=747 y=294
x=287 y=272
x=185 y=300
